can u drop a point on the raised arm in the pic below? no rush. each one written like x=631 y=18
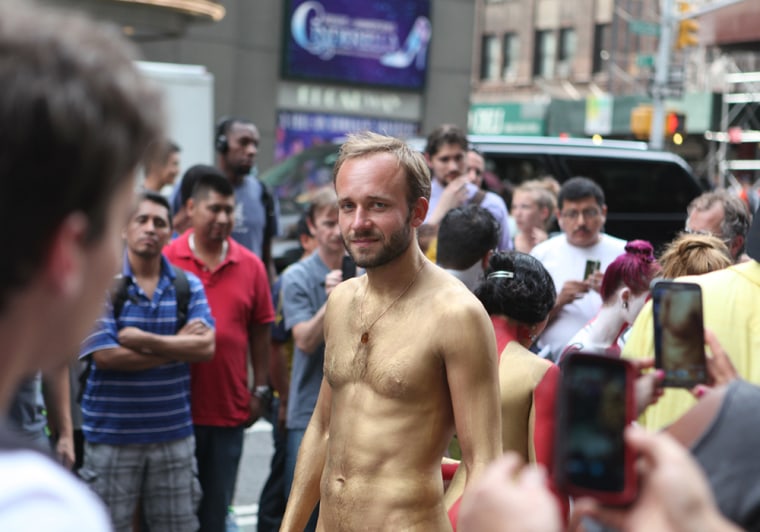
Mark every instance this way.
x=304 y=493
x=306 y=321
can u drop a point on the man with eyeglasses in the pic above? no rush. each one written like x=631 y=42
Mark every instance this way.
x=729 y=298
x=581 y=213
x=446 y=155
x=720 y=214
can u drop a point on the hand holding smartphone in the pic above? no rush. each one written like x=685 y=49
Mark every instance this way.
x=592 y=266
x=679 y=348
x=595 y=404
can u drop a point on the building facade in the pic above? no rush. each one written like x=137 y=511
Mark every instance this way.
x=248 y=48
x=547 y=67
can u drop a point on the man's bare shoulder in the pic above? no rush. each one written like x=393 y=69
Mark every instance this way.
x=344 y=293
x=449 y=297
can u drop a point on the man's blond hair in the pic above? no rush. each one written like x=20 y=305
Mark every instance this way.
x=410 y=161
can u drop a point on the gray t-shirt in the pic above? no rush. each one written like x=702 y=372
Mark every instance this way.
x=26 y=415
x=303 y=293
x=727 y=453
x=250 y=216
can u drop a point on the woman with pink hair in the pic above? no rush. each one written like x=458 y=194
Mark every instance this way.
x=624 y=290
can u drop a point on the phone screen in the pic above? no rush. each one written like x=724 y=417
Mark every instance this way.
x=348 y=267
x=591 y=267
x=596 y=404
x=679 y=333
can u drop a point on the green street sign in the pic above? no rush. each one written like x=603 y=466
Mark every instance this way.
x=645 y=60
x=642 y=27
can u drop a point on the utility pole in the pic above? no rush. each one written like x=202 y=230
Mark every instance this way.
x=661 y=73
x=660 y=90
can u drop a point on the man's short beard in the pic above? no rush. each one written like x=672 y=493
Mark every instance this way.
x=399 y=242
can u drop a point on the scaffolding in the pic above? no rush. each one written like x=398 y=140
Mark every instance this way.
x=733 y=149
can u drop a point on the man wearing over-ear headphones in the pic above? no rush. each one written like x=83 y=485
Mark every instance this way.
x=236 y=141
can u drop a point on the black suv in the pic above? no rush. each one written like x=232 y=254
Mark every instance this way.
x=647 y=191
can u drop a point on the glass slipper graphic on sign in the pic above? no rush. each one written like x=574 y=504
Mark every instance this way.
x=415 y=46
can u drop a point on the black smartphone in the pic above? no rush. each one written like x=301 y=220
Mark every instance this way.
x=679 y=346
x=348 y=267
x=595 y=404
x=591 y=267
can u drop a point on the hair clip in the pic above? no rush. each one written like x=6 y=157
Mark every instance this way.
x=500 y=274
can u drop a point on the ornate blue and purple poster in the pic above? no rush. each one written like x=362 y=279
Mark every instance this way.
x=379 y=42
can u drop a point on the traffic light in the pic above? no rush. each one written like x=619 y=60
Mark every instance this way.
x=641 y=121
x=688 y=28
x=675 y=123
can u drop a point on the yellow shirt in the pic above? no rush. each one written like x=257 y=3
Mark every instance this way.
x=731 y=301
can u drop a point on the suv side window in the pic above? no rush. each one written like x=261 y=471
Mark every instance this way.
x=518 y=168
x=637 y=186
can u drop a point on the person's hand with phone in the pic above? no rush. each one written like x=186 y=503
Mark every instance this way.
x=673 y=495
x=509 y=496
x=594 y=281
x=648 y=388
x=678 y=333
x=720 y=369
x=453 y=196
x=332 y=279
x=570 y=291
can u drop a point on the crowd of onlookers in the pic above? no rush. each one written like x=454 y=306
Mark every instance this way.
x=602 y=306
x=198 y=336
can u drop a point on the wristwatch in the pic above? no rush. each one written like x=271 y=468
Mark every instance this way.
x=262 y=392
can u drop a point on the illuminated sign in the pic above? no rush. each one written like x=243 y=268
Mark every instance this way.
x=383 y=42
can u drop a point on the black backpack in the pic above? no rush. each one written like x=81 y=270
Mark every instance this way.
x=181 y=287
x=120 y=296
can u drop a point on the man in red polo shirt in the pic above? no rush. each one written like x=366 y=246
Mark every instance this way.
x=238 y=293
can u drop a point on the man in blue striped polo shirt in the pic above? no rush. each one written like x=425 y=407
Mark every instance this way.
x=136 y=405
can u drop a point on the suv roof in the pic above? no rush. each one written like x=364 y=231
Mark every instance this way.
x=543 y=142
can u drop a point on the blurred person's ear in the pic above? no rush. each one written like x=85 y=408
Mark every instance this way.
x=64 y=266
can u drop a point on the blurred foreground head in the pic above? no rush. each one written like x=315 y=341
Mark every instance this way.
x=76 y=118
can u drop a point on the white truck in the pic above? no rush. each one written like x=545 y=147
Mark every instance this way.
x=189 y=101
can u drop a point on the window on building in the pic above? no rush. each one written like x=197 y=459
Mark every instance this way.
x=511 y=57
x=490 y=58
x=601 y=47
x=545 y=56
x=568 y=43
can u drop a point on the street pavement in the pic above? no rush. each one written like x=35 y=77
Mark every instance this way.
x=253 y=473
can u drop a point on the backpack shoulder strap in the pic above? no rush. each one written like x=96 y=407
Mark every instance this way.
x=267 y=200
x=182 y=289
x=120 y=294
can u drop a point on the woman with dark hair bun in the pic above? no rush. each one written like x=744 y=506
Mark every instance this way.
x=518 y=294
x=624 y=290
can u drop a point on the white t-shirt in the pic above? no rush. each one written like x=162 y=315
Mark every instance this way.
x=566 y=262
x=37 y=494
